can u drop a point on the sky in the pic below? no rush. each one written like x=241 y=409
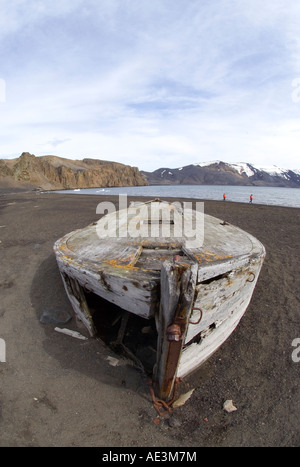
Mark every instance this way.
x=160 y=83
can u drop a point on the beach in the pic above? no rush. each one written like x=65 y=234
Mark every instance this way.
x=56 y=390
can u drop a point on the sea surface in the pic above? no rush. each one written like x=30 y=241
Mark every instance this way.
x=241 y=194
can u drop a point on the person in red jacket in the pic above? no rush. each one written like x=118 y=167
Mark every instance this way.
x=251 y=198
x=224 y=197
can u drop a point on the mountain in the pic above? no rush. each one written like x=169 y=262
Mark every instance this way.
x=223 y=173
x=54 y=173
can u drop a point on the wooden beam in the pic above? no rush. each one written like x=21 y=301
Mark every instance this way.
x=178 y=282
x=78 y=302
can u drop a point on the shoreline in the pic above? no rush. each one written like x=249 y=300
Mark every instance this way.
x=66 y=192
x=169 y=197
x=58 y=391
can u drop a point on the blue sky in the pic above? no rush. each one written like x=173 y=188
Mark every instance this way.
x=160 y=83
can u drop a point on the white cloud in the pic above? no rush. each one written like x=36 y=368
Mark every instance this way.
x=160 y=83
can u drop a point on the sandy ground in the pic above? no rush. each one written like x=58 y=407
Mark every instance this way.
x=59 y=391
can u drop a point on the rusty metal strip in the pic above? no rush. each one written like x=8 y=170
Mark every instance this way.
x=181 y=281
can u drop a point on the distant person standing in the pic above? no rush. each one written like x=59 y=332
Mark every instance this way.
x=224 y=197
x=251 y=198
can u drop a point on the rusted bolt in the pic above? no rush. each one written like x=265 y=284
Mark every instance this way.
x=174 y=332
x=252 y=275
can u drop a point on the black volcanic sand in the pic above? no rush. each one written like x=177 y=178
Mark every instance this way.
x=56 y=390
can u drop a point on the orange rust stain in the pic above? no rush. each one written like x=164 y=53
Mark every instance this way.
x=208 y=256
x=123 y=263
x=64 y=247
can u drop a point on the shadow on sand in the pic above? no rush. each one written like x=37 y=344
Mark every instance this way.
x=89 y=357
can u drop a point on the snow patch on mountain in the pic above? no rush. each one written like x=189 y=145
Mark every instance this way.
x=272 y=170
x=206 y=164
x=242 y=168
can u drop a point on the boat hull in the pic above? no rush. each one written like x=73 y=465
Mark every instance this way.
x=196 y=297
x=223 y=303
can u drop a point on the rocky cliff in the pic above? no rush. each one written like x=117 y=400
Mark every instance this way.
x=55 y=173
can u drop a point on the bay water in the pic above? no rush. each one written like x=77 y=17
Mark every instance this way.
x=261 y=195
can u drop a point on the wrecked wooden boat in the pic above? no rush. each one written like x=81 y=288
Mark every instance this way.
x=144 y=280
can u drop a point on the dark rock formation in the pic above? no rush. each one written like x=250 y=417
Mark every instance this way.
x=222 y=173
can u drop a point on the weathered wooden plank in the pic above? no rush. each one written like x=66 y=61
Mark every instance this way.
x=139 y=297
x=178 y=281
x=152 y=259
x=78 y=302
x=218 y=323
x=195 y=354
x=219 y=298
x=208 y=271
